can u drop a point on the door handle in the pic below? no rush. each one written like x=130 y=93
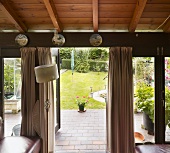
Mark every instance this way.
x=163 y=102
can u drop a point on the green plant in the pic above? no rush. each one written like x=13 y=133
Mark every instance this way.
x=11 y=76
x=167 y=106
x=65 y=53
x=66 y=64
x=81 y=61
x=97 y=68
x=8 y=78
x=143 y=69
x=102 y=64
x=144 y=94
x=82 y=101
x=98 y=53
x=144 y=101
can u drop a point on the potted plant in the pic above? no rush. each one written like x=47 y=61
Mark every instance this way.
x=81 y=102
x=167 y=106
x=145 y=103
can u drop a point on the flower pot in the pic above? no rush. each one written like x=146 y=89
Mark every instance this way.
x=81 y=108
x=148 y=124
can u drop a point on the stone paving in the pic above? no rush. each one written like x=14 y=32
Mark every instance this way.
x=82 y=132
x=10 y=121
x=86 y=132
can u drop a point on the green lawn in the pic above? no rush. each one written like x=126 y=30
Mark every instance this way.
x=79 y=85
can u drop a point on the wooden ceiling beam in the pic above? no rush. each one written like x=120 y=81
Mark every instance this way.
x=95 y=15
x=53 y=14
x=166 y=28
x=137 y=15
x=12 y=16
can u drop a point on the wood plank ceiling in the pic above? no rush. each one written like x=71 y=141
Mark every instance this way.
x=85 y=15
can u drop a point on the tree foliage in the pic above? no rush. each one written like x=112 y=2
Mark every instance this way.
x=81 y=61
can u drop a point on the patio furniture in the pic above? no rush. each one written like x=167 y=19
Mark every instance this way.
x=18 y=144
x=16 y=130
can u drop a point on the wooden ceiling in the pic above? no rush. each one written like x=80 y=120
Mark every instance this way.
x=85 y=15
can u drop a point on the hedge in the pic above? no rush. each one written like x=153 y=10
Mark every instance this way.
x=66 y=64
x=98 y=53
x=93 y=53
x=65 y=53
x=98 y=66
x=102 y=65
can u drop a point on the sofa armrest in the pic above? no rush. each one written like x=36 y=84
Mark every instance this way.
x=153 y=148
x=20 y=144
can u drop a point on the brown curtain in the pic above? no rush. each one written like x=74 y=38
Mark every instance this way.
x=33 y=112
x=28 y=90
x=44 y=57
x=119 y=109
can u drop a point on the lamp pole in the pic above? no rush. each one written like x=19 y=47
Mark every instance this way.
x=47 y=107
x=45 y=74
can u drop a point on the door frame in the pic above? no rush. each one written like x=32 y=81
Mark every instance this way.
x=159 y=91
x=144 y=51
x=58 y=112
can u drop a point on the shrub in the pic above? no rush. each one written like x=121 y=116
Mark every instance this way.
x=81 y=61
x=66 y=64
x=167 y=106
x=100 y=65
x=145 y=103
x=98 y=53
x=8 y=78
x=65 y=53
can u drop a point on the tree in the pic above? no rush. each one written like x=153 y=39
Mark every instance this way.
x=81 y=61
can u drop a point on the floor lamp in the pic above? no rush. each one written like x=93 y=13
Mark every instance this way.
x=44 y=74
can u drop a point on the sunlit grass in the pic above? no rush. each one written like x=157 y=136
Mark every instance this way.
x=79 y=84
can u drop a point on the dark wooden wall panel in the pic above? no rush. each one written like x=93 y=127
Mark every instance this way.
x=142 y=43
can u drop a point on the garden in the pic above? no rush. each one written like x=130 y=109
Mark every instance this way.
x=79 y=85
x=86 y=74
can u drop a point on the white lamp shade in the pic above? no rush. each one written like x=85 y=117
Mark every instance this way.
x=46 y=73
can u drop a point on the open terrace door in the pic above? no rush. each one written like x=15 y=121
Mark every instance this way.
x=56 y=59
x=8 y=54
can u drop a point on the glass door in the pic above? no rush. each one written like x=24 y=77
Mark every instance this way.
x=11 y=91
x=144 y=99
x=12 y=96
x=167 y=98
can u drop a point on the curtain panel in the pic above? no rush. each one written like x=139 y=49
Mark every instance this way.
x=44 y=57
x=119 y=108
x=28 y=99
x=34 y=121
